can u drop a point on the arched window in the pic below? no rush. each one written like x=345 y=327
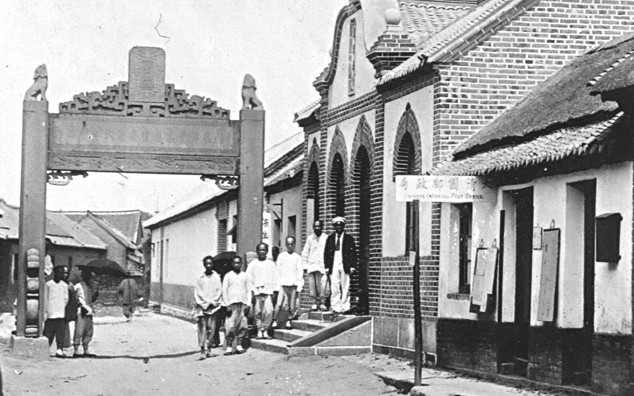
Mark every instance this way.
x=339 y=185
x=312 y=193
x=407 y=161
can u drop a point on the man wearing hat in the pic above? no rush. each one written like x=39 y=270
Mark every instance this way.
x=340 y=260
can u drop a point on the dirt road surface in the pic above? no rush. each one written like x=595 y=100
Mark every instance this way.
x=173 y=367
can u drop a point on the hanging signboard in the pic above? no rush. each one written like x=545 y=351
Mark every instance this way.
x=444 y=189
x=482 y=293
x=548 y=281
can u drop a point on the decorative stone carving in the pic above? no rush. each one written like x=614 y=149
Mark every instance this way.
x=223 y=182
x=61 y=178
x=249 y=98
x=114 y=101
x=32 y=305
x=32 y=285
x=40 y=84
x=32 y=258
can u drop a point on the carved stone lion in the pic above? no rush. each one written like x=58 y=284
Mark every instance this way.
x=40 y=84
x=249 y=98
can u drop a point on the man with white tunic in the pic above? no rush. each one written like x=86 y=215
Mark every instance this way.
x=313 y=264
x=340 y=260
x=290 y=278
x=207 y=296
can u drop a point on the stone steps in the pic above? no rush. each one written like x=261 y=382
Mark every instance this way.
x=305 y=328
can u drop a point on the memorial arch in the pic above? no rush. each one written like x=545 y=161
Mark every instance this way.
x=142 y=125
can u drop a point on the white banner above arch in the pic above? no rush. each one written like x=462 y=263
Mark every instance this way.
x=454 y=189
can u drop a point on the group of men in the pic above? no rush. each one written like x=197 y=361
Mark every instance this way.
x=272 y=287
x=67 y=305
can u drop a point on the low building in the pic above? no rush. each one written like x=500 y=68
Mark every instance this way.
x=69 y=243
x=205 y=222
x=539 y=283
x=121 y=230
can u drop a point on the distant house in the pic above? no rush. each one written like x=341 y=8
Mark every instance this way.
x=205 y=223
x=69 y=243
x=121 y=230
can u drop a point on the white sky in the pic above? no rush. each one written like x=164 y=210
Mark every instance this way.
x=284 y=44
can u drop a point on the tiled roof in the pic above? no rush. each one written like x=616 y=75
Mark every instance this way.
x=563 y=100
x=60 y=230
x=307 y=111
x=116 y=233
x=465 y=31
x=125 y=221
x=291 y=169
x=620 y=74
x=422 y=21
x=560 y=144
x=279 y=165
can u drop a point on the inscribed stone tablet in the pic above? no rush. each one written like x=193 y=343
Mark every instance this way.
x=146 y=75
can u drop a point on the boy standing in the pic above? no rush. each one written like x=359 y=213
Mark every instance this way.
x=84 y=326
x=208 y=294
x=56 y=298
x=235 y=297
x=313 y=263
x=71 y=312
x=291 y=281
x=262 y=280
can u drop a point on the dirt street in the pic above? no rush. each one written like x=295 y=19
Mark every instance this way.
x=174 y=369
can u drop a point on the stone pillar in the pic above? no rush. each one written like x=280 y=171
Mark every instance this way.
x=251 y=192
x=32 y=229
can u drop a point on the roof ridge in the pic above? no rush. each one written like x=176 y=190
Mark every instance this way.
x=599 y=76
x=441 y=43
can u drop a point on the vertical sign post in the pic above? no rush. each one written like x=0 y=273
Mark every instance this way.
x=418 y=324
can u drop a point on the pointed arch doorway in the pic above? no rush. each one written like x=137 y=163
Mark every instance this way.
x=362 y=185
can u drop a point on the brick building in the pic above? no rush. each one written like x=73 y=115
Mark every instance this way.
x=562 y=165
x=408 y=82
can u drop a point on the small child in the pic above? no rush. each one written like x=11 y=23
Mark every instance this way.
x=290 y=276
x=262 y=280
x=236 y=298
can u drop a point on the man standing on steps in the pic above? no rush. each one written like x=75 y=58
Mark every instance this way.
x=340 y=259
x=290 y=278
x=262 y=280
x=313 y=264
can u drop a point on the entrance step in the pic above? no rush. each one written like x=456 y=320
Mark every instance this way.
x=271 y=345
x=290 y=335
x=320 y=333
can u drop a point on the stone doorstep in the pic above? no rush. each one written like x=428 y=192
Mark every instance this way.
x=329 y=351
x=271 y=345
x=290 y=335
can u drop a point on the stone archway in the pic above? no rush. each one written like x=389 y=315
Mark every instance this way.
x=142 y=125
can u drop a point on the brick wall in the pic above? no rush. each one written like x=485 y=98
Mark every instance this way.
x=181 y=296
x=611 y=359
x=496 y=74
x=467 y=344
x=545 y=355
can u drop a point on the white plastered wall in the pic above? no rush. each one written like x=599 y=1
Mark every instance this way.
x=364 y=71
x=190 y=239
x=394 y=215
x=553 y=201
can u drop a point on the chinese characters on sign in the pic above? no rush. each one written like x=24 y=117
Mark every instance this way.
x=444 y=189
